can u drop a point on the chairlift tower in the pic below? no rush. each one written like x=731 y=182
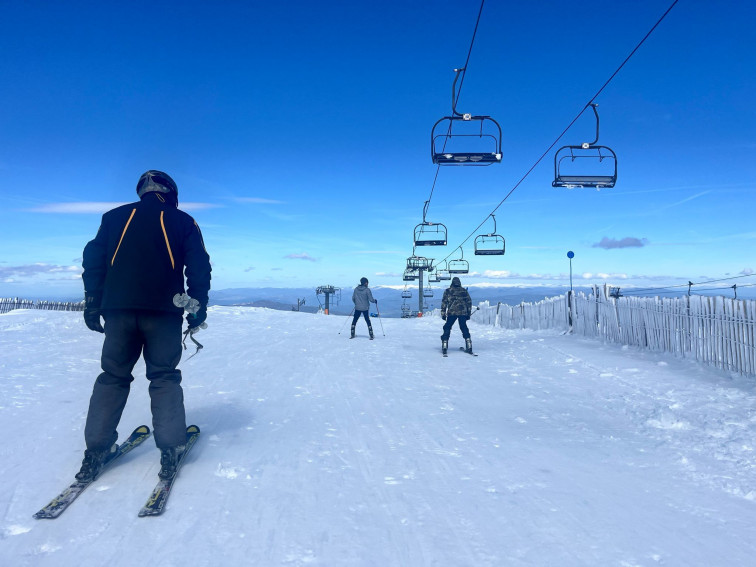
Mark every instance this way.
x=328 y=291
x=419 y=265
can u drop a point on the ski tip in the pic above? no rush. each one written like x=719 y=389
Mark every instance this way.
x=192 y=429
x=142 y=429
x=145 y=512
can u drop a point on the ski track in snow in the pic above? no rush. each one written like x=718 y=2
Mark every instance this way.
x=546 y=449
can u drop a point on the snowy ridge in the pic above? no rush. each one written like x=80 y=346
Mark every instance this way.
x=547 y=449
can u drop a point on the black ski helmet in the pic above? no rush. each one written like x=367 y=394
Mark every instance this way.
x=363 y=281
x=154 y=180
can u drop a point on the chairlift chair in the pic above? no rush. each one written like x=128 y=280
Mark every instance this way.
x=443 y=273
x=433 y=277
x=427 y=292
x=460 y=265
x=410 y=275
x=491 y=244
x=419 y=263
x=461 y=148
x=586 y=165
x=406 y=294
x=430 y=234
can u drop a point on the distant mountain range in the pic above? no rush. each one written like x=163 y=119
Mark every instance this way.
x=389 y=299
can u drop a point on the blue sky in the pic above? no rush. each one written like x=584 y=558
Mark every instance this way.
x=299 y=136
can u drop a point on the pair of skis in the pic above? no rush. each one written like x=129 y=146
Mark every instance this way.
x=159 y=496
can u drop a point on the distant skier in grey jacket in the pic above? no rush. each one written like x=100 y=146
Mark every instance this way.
x=362 y=297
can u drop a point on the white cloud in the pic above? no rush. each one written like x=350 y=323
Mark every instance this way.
x=627 y=242
x=497 y=274
x=12 y=274
x=302 y=256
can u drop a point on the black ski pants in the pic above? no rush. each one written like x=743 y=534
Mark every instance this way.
x=450 y=320
x=357 y=318
x=129 y=334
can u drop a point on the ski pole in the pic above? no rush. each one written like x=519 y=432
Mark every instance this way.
x=379 y=318
x=347 y=319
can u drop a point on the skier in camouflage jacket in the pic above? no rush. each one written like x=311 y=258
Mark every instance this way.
x=456 y=305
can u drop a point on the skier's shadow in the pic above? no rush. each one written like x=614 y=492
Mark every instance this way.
x=220 y=417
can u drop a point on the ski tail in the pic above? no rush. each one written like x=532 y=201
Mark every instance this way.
x=156 y=502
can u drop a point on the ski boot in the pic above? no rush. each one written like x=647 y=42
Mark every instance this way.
x=468 y=346
x=370 y=330
x=169 y=459
x=444 y=346
x=92 y=463
x=352 y=332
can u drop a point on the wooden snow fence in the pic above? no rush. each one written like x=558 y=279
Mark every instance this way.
x=716 y=331
x=551 y=313
x=8 y=304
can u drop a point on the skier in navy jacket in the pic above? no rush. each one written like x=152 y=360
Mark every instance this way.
x=132 y=270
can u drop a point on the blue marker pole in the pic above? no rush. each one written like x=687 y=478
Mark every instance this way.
x=570 y=255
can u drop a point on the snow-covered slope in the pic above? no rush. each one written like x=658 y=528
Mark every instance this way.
x=319 y=450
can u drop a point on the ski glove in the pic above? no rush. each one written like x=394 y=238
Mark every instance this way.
x=92 y=312
x=196 y=319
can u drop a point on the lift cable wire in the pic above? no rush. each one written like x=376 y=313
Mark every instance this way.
x=690 y=283
x=587 y=105
x=455 y=98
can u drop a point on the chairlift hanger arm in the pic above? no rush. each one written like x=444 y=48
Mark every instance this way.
x=586 y=145
x=454 y=91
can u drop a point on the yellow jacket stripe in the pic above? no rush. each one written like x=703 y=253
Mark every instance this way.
x=167 y=243
x=125 y=228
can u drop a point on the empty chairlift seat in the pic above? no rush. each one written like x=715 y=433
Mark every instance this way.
x=465 y=139
x=410 y=275
x=430 y=234
x=491 y=244
x=460 y=266
x=586 y=165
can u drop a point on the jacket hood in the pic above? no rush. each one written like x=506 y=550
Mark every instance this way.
x=456 y=282
x=171 y=198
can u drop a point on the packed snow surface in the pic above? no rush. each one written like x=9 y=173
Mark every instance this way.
x=547 y=449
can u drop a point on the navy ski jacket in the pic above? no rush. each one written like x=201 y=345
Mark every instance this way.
x=140 y=256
